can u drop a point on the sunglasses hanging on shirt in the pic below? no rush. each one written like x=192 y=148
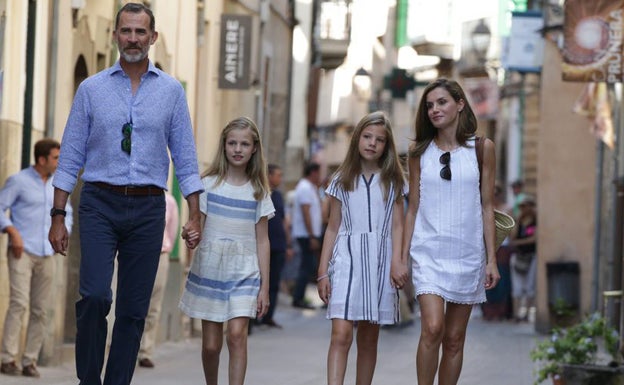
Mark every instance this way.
x=445 y=172
x=126 y=142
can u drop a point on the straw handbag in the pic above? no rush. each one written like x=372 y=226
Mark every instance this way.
x=503 y=222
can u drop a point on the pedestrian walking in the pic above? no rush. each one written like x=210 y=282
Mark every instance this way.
x=148 y=341
x=517 y=189
x=361 y=267
x=449 y=227
x=523 y=260
x=499 y=302
x=28 y=195
x=279 y=239
x=293 y=257
x=307 y=226
x=229 y=276
x=121 y=125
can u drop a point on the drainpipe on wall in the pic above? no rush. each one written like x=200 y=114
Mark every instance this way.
x=2 y=27
x=264 y=11
x=521 y=112
x=616 y=310
x=28 y=92
x=594 y=306
x=293 y=23
x=615 y=258
x=52 y=67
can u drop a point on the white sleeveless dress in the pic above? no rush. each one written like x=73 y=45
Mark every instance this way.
x=447 y=247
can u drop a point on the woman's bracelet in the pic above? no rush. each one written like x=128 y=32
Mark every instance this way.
x=322 y=277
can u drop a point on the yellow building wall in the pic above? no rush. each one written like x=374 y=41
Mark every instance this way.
x=565 y=184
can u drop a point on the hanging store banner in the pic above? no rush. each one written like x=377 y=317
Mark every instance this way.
x=523 y=51
x=234 y=54
x=592 y=42
x=482 y=94
x=594 y=104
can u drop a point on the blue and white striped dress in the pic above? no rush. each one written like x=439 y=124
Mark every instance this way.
x=224 y=279
x=359 y=269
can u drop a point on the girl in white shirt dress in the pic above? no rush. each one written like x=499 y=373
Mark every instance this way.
x=449 y=227
x=229 y=276
x=361 y=264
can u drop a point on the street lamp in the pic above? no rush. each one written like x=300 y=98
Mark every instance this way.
x=481 y=37
x=362 y=83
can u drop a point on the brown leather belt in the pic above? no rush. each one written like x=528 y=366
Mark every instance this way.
x=130 y=190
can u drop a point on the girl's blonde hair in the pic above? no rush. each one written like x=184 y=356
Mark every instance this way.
x=256 y=167
x=391 y=170
x=426 y=131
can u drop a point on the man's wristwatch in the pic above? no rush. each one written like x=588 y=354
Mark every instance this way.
x=54 y=211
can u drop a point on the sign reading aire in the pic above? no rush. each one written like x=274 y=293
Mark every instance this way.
x=234 y=54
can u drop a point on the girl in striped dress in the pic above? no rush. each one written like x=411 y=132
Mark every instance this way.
x=361 y=266
x=229 y=276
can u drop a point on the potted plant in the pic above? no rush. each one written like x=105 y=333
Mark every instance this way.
x=590 y=345
x=563 y=314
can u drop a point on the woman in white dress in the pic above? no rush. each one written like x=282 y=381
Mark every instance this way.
x=449 y=227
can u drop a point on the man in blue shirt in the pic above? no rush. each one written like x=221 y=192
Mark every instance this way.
x=121 y=124
x=28 y=195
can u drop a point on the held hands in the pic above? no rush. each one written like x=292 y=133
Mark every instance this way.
x=492 y=276
x=58 y=235
x=398 y=274
x=191 y=233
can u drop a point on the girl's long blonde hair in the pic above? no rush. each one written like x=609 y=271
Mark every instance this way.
x=256 y=167
x=391 y=170
x=426 y=131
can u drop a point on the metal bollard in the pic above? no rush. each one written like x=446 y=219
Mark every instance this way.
x=611 y=302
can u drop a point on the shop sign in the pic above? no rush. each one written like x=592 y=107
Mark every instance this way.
x=592 y=43
x=483 y=95
x=523 y=50
x=234 y=54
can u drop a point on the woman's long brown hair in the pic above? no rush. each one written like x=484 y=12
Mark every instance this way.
x=426 y=131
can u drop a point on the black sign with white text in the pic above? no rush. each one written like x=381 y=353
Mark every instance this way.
x=235 y=52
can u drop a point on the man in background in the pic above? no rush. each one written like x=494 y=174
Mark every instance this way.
x=307 y=225
x=28 y=195
x=517 y=188
x=279 y=238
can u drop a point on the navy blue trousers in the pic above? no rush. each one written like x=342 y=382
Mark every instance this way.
x=307 y=269
x=278 y=258
x=131 y=229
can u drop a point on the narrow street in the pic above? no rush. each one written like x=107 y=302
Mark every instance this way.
x=496 y=353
